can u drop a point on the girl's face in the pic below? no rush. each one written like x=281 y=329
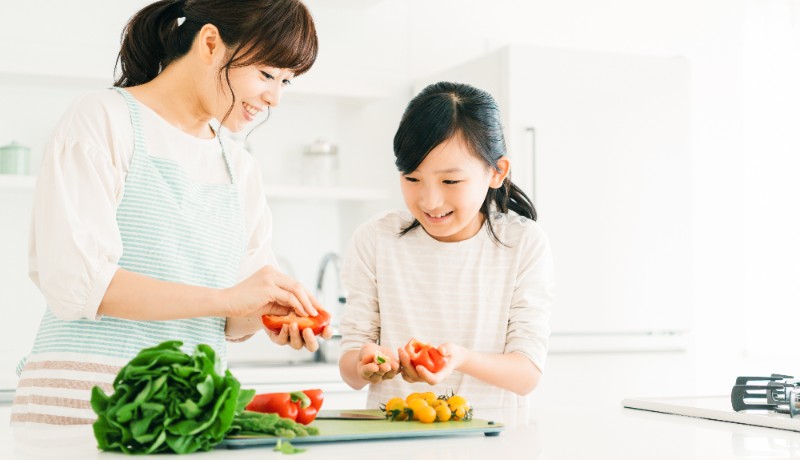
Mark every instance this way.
x=446 y=191
x=256 y=88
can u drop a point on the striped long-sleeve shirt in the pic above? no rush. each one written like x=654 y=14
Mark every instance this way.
x=479 y=294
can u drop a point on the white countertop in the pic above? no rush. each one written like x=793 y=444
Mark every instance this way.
x=605 y=431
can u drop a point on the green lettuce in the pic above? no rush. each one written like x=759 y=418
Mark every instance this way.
x=167 y=401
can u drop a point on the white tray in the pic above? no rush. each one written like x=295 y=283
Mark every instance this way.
x=713 y=408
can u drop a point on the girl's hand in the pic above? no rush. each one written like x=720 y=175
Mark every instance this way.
x=369 y=370
x=455 y=354
x=291 y=335
x=268 y=291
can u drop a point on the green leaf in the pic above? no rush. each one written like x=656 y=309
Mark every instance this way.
x=286 y=447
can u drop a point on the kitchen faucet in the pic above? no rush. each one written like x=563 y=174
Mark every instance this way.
x=327 y=259
x=328 y=349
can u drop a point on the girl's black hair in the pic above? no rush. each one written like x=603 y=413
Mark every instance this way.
x=446 y=109
x=277 y=33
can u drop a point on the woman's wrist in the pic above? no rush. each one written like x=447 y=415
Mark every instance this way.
x=220 y=303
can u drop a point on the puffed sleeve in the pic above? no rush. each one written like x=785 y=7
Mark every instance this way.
x=258 y=224
x=75 y=243
x=360 y=322
x=529 y=318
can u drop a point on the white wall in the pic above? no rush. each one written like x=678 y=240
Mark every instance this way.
x=709 y=33
x=767 y=212
x=744 y=119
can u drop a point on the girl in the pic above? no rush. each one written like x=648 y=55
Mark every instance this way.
x=148 y=225
x=466 y=268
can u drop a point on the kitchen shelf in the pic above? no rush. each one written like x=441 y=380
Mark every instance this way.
x=299 y=192
x=325 y=193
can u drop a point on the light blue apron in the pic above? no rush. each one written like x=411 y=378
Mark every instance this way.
x=172 y=229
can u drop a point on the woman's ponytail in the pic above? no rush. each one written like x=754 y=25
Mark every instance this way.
x=151 y=40
x=278 y=33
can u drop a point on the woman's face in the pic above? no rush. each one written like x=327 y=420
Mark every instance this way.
x=446 y=192
x=255 y=88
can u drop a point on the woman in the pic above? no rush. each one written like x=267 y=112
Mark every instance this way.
x=148 y=225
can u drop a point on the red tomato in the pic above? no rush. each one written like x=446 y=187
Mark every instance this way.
x=425 y=355
x=316 y=323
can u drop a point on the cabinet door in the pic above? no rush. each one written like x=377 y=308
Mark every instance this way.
x=608 y=162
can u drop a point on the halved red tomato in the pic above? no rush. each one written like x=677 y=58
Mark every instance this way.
x=425 y=355
x=315 y=323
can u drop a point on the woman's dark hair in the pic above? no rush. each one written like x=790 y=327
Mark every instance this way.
x=278 y=33
x=444 y=110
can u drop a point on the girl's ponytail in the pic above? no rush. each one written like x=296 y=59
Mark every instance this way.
x=151 y=40
x=510 y=197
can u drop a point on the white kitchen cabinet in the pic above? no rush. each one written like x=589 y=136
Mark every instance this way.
x=272 y=379
x=601 y=143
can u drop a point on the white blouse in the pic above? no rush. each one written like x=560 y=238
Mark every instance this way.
x=75 y=244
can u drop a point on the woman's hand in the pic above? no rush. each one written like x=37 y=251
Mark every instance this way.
x=291 y=335
x=269 y=291
x=455 y=355
x=369 y=370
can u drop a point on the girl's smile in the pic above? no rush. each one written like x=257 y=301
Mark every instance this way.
x=438 y=218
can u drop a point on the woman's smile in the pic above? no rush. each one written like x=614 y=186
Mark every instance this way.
x=251 y=112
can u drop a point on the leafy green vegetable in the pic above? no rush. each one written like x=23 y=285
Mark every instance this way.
x=165 y=400
x=286 y=447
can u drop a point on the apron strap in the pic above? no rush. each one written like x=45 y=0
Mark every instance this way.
x=136 y=120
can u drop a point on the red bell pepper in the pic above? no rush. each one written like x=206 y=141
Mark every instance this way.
x=307 y=415
x=316 y=323
x=300 y=406
x=425 y=355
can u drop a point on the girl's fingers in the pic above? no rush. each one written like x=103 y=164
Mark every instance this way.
x=370 y=368
x=427 y=375
x=384 y=368
x=390 y=375
x=327 y=333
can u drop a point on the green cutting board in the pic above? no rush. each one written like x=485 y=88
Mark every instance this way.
x=358 y=430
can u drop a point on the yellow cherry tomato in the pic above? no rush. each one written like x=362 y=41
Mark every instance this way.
x=395 y=404
x=439 y=402
x=443 y=413
x=426 y=414
x=457 y=401
x=412 y=397
x=429 y=397
x=416 y=406
x=459 y=413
